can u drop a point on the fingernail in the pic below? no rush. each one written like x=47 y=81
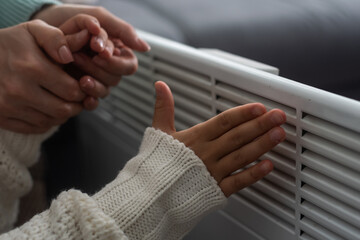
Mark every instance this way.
x=277 y=118
x=143 y=44
x=65 y=54
x=88 y=83
x=276 y=135
x=100 y=41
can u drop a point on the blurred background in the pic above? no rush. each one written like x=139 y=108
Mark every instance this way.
x=311 y=41
x=314 y=42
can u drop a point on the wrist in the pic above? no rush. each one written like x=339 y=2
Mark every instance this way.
x=49 y=13
x=165 y=184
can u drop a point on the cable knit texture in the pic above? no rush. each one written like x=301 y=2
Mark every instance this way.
x=17 y=153
x=160 y=194
x=13 y=12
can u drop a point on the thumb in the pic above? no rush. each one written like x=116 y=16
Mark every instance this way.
x=164 y=109
x=51 y=39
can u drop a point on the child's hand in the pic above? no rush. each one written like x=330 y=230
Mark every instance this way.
x=103 y=61
x=107 y=70
x=227 y=142
x=84 y=34
x=112 y=59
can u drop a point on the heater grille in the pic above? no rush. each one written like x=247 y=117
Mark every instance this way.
x=314 y=190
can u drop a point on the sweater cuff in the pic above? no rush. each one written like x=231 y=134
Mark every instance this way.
x=17 y=11
x=24 y=148
x=17 y=153
x=162 y=192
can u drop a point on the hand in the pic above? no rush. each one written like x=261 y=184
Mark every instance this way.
x=107 y=68
x=35 y=93
x=228 y=142
x=79 y=29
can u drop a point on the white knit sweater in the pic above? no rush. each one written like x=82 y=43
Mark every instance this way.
x=160 y=194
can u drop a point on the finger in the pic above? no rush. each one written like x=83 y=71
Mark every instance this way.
x=118 y=28
x=81 y=22
x=90 y=103
x=249 y=153
x=54 y=106
x=123 y=63
x=164 y=109
x=78 y=40
x=99 y=41
x=34 y=118
x=108 y=51
x=51 y=39
x=236 y=182
x=229 y=119
x=93 y=88
x=19 y=126
x=248 y=131
x=85 y=63
x=58 y=82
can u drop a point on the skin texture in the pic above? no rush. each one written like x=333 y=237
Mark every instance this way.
x=35 y=93
x=38 y=92
x=116 y=43
x=227 y=142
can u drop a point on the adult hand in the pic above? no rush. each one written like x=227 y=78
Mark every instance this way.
x=228 y=142
x=35 y=92
x=107 y=68
x=78 y=30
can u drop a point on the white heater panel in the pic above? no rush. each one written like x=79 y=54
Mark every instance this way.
x=314 y=191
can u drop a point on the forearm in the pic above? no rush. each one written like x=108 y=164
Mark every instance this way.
x=160 y=194
x=17 y=11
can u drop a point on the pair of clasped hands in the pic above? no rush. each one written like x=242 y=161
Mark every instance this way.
x=36 y=92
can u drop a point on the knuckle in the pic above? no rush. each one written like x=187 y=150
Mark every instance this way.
x=238 y=183
x=36 y=68
x=57 y=36
x=64 y=111
x=259 y=124
x=237 y=138
x=99 y=10
x=35 y=22
x=224 y=121
x=239 y=158
x=254 y=175
x=74 y=92
x=13 y=91
x=82 y=15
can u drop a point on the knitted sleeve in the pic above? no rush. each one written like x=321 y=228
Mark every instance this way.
x=13 y=12
x=160 y=194
x=17 y=153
